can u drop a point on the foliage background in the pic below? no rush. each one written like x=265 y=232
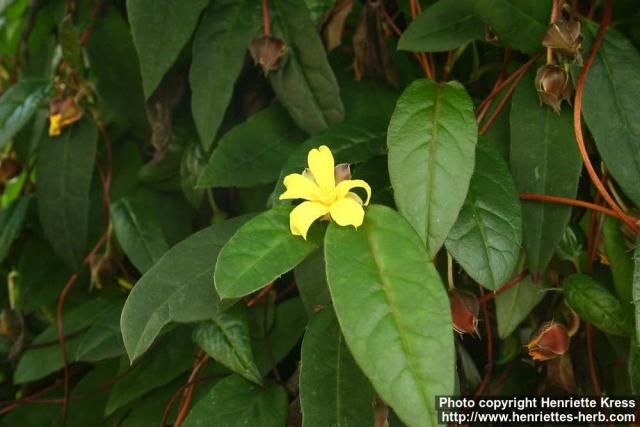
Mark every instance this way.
x=147 y=270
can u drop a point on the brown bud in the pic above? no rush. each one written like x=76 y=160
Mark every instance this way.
x=552 y=340
x=9 y=169
x=552 y=84
x=564 y=37
x=464 y=311
x=267 y=52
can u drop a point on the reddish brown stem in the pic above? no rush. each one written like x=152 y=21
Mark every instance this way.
x=201 y=360
x=502 y=103
x=512 y=282
x=63 y=347
x=264 y=292
x=489 y=338
x=577 y=121
x=265 y=18
x=566 y=201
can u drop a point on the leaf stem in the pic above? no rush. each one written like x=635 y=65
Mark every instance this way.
x=265 y=18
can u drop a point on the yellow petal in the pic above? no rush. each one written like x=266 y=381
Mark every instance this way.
x=304 y=215
x=54 y=124
x=347 y=211
x=321 y=165
x=299 y=187
x=345 y=186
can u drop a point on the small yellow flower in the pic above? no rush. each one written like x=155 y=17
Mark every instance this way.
x=326 y=189
x=55 y=124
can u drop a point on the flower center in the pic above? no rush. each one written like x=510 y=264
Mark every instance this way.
x=327 y=195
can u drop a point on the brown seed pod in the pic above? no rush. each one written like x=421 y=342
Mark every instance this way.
x=552 y=340
x=267 y=51
x=553 y=86
x=464 y=311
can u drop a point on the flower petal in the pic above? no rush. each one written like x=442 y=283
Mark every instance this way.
x=347 y=211
x=299 y=187
x=345 y=186
x=321 y=164
x=304 y=215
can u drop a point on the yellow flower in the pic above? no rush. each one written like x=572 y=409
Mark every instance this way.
x=326 y=189
x=55 y=124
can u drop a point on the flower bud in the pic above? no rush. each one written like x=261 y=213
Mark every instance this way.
x=552 y=84
x=62 y=113
x=267 y=52
x=464 y=311
x=551 y=341
x=565 y=38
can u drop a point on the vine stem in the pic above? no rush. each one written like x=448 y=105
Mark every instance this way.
x=265 y=18
x=577 y=121
x=487 y=326
x=566 y=201
x=201 y=360
x=511 y=283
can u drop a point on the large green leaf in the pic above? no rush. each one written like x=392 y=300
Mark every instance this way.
x=305 y=83
x=445 y=25
x=311 y=281
x=103 y=340
x=633 y=365
x=544 y=160
x=394 y=312
x=37 y=363
x=518 y=23
x=620 y=259
x=261 y=251
x=253 y=152
x=160 y=31
x=19 y=103
x=611 y=107
x=11 y=219
x=487 y=236
x=333 y=389
x=64 y=170
x=351 y=141
x=116 y=70
x=227 y=340
x=219 y=49
x=235 y=402
x=161 y=367
x=139 y=232
x=515 y=304
x=594 y=304
x=432 y=142
x=178 y=288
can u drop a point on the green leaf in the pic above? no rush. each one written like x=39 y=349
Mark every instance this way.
x=11 y=219
x=611 y=107
x=518 y=23
x=261 y=251
x=311 y=281
x=305 y=83
x=253 y=152
x=351 y=141
x=394 y=312
x=227 y=340
x=160 y=31
x=487 y=236
x=515 y=304
x=633 y=365
x=289 y=321
x=103 y=340
x=39 y=362
x=620 y=259
x=333 y=389
x=594 y=304
x=42 y=275
x=64 y=170
x=19 y=103
x=219 y=49
x=432 y=142
x=115 y=64
x=161 y=367
x=235 y=402
x=544 y=160
x=69 y=42
x=178 y=288
x=445 y=25
x=139 y=232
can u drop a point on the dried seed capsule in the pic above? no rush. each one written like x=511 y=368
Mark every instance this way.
x=552 y=84
x=464 y=311
x=267 y=51
x=551 y=341
x=564 y=37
